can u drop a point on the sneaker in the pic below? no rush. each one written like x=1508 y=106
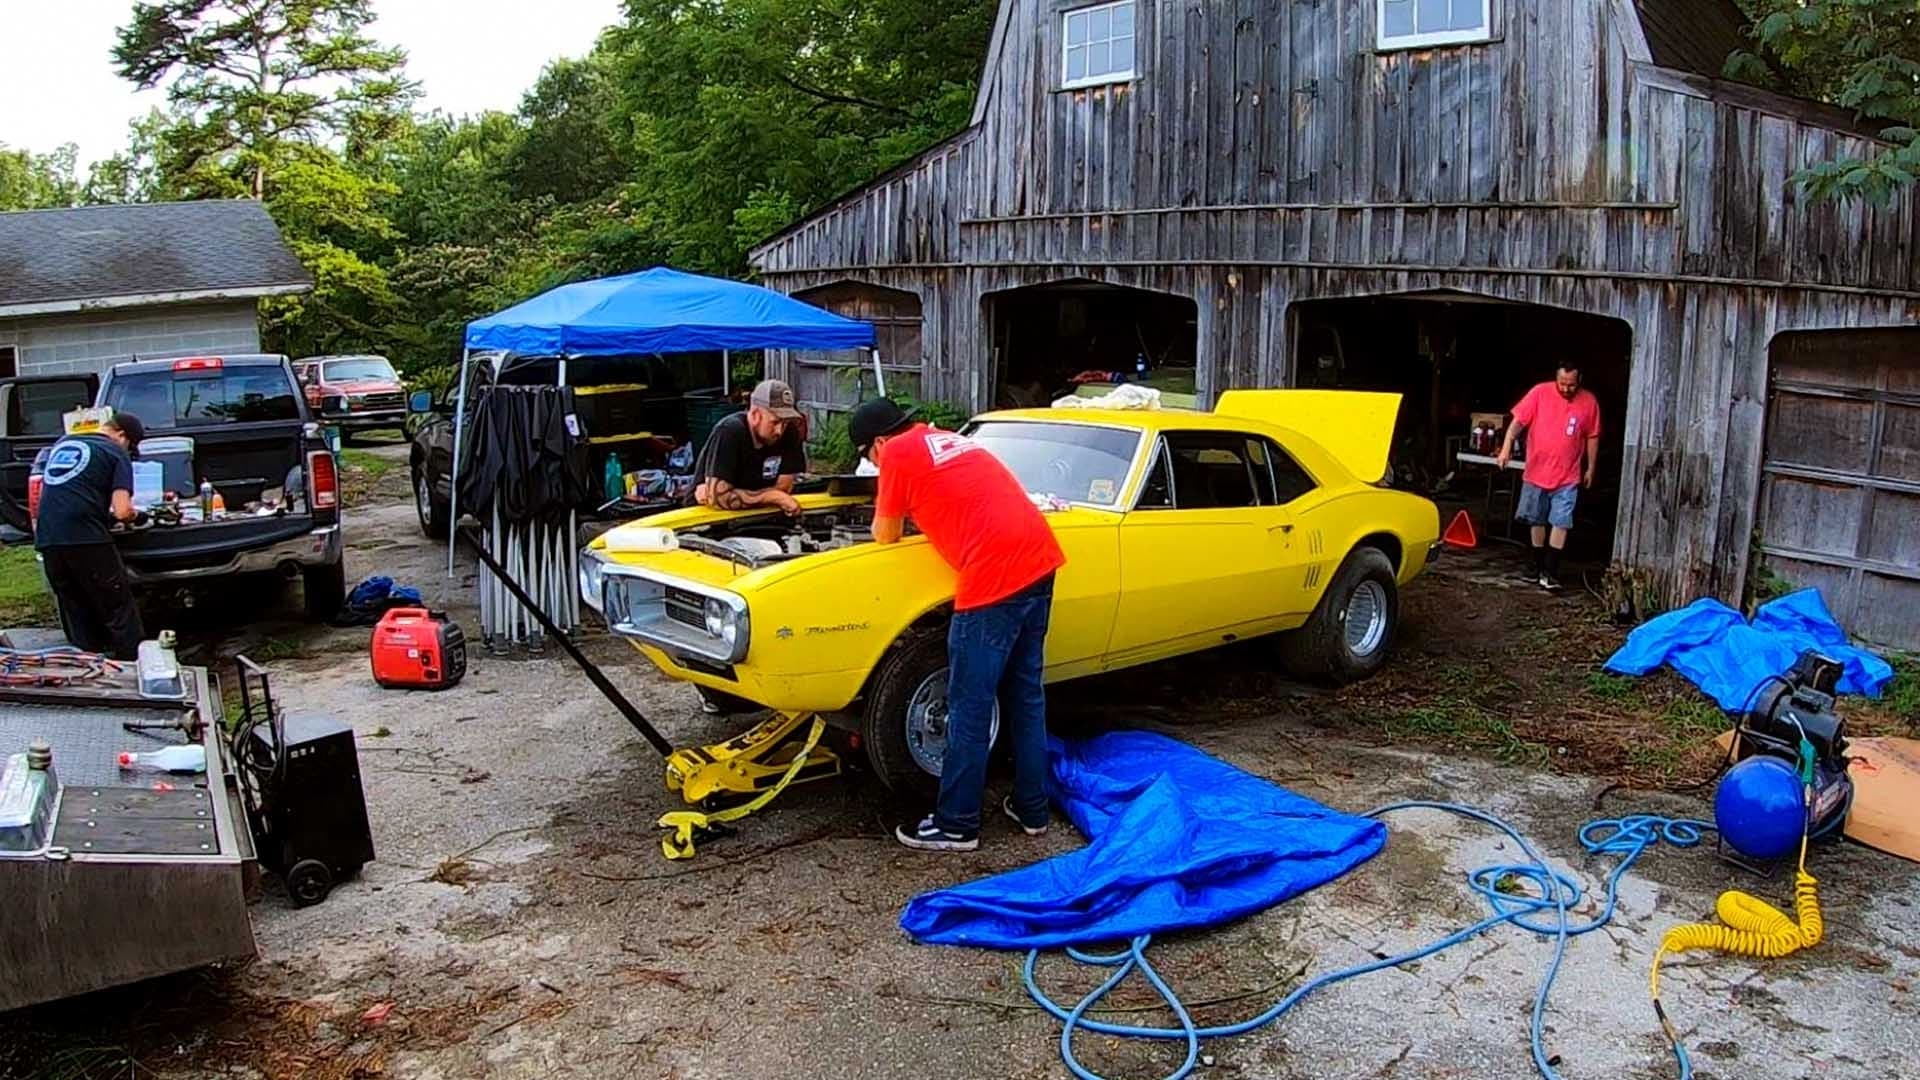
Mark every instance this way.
x=708 y=707
x=926 y=836
x=1549 y=583
x=1006 y=804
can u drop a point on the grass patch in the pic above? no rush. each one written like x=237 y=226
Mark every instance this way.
x=1606 y=687
x=366 y=461
x=1459 y=722
x=1902 y=698
x=275 y=648
x=1694 y=717
x=24 y=600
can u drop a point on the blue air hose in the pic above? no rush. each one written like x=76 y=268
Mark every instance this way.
x=1626 y=837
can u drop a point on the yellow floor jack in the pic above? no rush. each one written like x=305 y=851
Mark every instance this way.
x=725 y=781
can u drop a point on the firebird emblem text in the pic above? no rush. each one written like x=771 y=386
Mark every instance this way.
x=840 y=629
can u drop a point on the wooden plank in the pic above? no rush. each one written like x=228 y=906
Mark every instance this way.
x=1248 y=30
x=1416 y=118
x=1387 y=131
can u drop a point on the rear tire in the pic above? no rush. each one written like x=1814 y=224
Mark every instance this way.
x=1352 y=629
x=324 y=591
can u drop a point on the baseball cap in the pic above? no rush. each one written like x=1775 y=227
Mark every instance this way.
x=875 y=419
x=131 y=427
x=776 y=397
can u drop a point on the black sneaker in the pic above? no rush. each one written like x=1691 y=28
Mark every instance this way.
x=926 y=836
x=1006 y=804
x=1549 y=583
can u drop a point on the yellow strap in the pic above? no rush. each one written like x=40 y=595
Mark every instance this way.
x=679 y=844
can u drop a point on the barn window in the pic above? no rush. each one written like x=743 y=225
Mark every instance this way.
x=1099 y=45
x=1413 y=23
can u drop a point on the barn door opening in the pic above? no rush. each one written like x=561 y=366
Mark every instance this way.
x=1840 y=492
x=1050 y=341
x=1460 y=361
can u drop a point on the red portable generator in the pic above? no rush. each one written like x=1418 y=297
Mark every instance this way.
x=417 y=649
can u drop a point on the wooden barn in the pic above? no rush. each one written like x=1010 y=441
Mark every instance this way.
x=1440 y=197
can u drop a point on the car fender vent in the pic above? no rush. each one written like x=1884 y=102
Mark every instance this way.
x=1313 y=575
x=1316 y=543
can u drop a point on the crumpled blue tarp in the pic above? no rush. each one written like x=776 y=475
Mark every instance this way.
x=1177 y=839
x=1728 y=658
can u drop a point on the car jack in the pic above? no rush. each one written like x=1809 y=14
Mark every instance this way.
x=727 y=781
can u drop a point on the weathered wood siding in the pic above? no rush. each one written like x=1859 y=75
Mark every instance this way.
x=1266 y=153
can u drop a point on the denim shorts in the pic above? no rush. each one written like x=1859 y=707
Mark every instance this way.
x=1538 y=506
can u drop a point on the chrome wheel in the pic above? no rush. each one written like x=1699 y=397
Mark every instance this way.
x=926 y=723
x=423 y=498
x=1366 y=619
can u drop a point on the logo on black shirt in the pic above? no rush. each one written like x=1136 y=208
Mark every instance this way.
x=67 y=460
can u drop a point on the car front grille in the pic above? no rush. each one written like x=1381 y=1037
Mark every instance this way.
x=391 y=399
x=688 y=609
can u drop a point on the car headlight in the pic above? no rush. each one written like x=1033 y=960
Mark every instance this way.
x=716 y=618
x=592 y=572
x=726 y=622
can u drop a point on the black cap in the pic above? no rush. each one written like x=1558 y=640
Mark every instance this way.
x=873 y=420
x=130 y=426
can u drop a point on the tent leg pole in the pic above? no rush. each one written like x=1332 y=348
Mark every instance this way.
x=726 y=373
x=879 y=377
x=459 y=428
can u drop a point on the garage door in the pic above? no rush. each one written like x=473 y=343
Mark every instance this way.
x=1840 y=505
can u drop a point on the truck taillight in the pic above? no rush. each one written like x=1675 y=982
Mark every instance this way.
x=34 y=485
x=323 y=481
x=197 y=363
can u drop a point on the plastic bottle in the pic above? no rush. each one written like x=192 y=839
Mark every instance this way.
x=206 y=499
x=614 y=478
x=159 y=668
x=1140 y=366
x=172 y=759
x=219 y=505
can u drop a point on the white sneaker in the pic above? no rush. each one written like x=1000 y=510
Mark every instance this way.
x=1006 y=805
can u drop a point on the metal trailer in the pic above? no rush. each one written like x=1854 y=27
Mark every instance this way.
x=114 y=878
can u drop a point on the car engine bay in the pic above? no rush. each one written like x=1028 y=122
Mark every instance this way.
x=763 y=540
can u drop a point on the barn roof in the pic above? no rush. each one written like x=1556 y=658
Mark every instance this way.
x=1693 y=35
x=55 y=261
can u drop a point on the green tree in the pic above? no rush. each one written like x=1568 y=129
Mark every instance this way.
x=745 y=114
x=1862 y=55
x=289 y=102
x=30 y=181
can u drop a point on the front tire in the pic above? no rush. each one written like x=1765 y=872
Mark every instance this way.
x=1351 y=631
x=904 y=728
x=433 y=514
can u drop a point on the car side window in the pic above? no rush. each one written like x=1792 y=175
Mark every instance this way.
x=1157 y=492
x=1290 y=481
x=1212 y=470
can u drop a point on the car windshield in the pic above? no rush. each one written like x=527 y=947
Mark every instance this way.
x=364 y=369
x=1078 y=463
x=164 y=399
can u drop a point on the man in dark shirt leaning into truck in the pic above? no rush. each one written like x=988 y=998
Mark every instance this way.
x=87 y=485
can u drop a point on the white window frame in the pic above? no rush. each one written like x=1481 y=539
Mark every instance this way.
x=1107 y=78
x=1444 y=37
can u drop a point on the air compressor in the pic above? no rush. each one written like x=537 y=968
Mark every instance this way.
x=1789 y=744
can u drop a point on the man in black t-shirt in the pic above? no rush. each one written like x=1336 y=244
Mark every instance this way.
x=752 y=458
x=86 y=486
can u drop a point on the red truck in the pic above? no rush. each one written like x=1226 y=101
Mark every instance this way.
x=354 y=393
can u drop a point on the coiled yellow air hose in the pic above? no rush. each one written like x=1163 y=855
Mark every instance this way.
x=1748 y=926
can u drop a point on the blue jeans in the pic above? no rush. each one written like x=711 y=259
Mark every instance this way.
x=1539 y=506
x=996 y=652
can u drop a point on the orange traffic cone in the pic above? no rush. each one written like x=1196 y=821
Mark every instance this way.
x=1460 y=534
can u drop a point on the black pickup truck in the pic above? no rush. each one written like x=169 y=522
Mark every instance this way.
x=242 y=424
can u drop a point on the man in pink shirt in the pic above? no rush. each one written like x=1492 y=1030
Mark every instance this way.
x=1562 y=423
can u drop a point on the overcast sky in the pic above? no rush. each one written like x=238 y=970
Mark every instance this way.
x=469 y=55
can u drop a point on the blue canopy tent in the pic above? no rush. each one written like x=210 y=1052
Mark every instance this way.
x=652 y=312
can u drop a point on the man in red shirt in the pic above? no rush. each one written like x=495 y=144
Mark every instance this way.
x=1562 y=423
x=979 y=518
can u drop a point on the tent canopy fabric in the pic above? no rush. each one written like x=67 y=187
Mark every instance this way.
x=662 y=311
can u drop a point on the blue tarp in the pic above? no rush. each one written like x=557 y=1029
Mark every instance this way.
x=1728 y=658
x=1176 y=839
x=662 y=311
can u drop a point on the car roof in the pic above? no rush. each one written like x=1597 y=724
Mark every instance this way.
x=166 y=363
x=341 y=356
x=1139 y=419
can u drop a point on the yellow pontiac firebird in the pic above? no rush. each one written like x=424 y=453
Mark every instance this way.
x=1183 y=530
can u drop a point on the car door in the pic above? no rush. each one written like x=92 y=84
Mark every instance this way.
x=1207 y=555
x=32 y=417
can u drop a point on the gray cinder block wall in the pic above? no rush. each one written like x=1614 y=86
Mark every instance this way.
x=92 y=341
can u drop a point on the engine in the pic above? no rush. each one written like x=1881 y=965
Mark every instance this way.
x=765 y=540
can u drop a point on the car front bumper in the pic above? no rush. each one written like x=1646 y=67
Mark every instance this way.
x=364 y=420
